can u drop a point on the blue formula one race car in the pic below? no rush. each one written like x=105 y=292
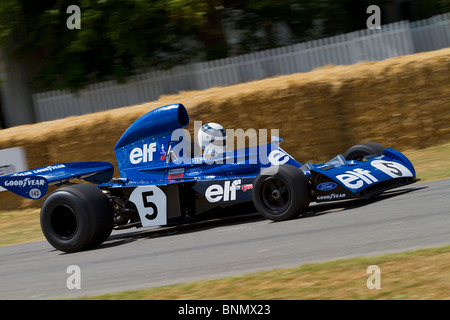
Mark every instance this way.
x=163 y=182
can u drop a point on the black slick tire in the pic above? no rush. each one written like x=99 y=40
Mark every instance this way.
x=281 y=192
x=76 y=218
x=359 y=151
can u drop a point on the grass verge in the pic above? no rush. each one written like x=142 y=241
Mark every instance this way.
x=413 y=275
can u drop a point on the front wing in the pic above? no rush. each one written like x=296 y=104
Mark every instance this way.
x=339 y=179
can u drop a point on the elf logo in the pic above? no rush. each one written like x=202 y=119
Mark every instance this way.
x=278 y=157
x=356 y=178
x=144 y=154
x=216 y=192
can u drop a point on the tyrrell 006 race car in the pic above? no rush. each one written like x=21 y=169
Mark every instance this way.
x=164 y=182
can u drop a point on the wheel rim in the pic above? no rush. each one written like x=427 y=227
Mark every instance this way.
x=64 y=222
x=275 y=195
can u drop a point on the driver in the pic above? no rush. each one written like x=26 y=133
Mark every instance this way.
x=212 y=139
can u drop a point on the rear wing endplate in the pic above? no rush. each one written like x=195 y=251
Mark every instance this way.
x=33 y=184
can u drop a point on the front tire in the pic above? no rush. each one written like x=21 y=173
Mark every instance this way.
x=281 y=193
x=362 y=150
x=77 y=217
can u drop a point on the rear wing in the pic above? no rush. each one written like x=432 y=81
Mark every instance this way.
x=33 y=184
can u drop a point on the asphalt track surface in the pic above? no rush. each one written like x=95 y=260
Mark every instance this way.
x=411 y=217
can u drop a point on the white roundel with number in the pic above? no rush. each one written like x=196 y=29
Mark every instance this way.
x=151 y=203
x=392 y=169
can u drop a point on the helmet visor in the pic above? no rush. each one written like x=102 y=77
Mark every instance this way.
x=219 y=141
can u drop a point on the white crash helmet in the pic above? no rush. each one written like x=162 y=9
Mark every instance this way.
x=212 y=138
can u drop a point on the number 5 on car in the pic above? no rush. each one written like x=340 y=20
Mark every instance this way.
x=151 y=203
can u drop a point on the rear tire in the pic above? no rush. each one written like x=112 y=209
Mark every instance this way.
x=359 y=151
x=76 y=218
x=281 y=193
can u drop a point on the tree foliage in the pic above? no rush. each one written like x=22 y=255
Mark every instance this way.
x=119 y=37
x=116 y=38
